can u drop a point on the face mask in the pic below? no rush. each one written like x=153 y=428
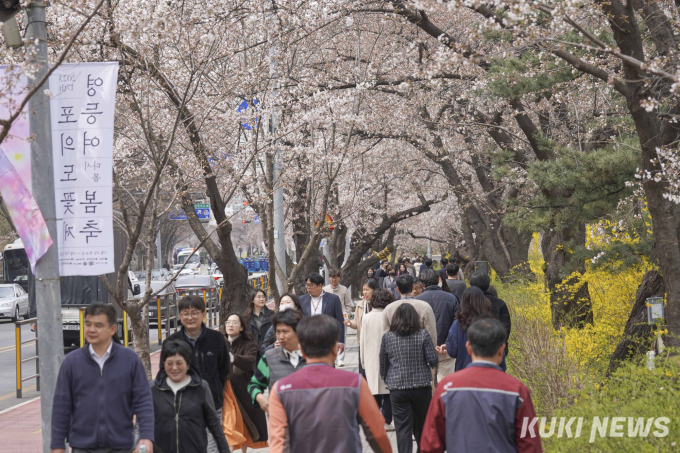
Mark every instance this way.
x=285 y=307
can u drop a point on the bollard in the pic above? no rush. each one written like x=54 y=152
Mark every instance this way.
x=125 y=330
x=18 y=340
x=82 y=331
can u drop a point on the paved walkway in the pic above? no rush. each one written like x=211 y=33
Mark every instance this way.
x=20 y=429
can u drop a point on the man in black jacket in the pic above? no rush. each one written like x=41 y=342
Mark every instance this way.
x=456 y=286
x=211 y=355
x=445 y=306
x=319 y=302
x=442 y=270
x=498 y=306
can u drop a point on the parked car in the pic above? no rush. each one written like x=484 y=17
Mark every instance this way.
x=13 y=302
x=197 y=283
x=160 y=274
x=156 y=285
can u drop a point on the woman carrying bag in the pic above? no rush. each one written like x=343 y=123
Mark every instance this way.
x=369 y=286
x=244 y=425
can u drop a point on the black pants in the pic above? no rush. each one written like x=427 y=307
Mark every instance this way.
x=409 y=408
x=385 y=406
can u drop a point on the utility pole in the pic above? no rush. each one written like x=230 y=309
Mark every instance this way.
x=47 y=288
x=279 y=233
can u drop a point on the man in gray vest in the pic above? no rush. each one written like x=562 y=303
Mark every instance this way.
x=319 y=409
x=277 y=362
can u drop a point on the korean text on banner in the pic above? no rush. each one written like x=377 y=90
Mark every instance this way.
x=82 y=108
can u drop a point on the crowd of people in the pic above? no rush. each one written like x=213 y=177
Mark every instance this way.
x=431 y=350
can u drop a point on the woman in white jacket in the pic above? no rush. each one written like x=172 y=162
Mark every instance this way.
x=369 y=351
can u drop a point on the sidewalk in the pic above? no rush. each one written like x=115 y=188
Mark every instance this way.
x=20 y=426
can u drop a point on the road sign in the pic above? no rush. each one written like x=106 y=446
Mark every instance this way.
x=202 y=212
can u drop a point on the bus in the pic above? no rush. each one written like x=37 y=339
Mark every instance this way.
x=15 y=265
x=193 y=261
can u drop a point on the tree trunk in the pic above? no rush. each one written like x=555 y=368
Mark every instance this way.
x=337 y=245
x=139 y=321
x=568 y=308
x=637 y=335
x=505 y=248
x=653 y=133
x=311 y=265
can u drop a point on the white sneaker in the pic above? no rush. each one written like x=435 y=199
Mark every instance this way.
x=340 y=364
x=389 y=427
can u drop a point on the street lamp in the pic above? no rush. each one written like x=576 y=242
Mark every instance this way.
x=655 y=310
x=655 y=314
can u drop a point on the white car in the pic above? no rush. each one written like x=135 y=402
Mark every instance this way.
x=185 y=271
x=13 y=302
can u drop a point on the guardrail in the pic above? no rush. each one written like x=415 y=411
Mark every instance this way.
x=261 y=282
x=20 y=361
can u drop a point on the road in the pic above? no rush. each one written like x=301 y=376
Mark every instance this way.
x=8 y=363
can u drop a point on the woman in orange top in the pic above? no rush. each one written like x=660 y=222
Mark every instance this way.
x=244 y=425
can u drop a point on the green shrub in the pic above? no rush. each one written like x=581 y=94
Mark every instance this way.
x=632 y=391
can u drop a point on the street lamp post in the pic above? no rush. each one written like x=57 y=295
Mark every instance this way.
x=47 y=288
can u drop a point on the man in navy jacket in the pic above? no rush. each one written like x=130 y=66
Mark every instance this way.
x=319 y=302
x=99 y=389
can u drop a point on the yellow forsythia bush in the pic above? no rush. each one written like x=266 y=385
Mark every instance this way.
x=582 y=355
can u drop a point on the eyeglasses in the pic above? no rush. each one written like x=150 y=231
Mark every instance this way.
x=232 y=323
x=311 y=285
x=190 y=314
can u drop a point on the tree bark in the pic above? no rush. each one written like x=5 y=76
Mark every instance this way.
x=638 y=335
x=568 y=308
x=139 y=322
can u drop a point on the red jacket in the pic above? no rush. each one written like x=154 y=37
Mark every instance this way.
x=479 y=409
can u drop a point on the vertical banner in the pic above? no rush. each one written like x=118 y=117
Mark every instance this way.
x=15 y=168
x=82 y=108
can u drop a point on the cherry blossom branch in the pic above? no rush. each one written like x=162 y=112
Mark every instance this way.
x=7 y=124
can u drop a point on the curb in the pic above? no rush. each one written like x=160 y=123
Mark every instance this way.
x=19 y=405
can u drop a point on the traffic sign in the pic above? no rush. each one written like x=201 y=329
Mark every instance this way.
x=202 y=212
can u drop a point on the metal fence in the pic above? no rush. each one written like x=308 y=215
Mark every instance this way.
x=167 y=316
x=212 y=308
x=261 y=282
x=21 y=361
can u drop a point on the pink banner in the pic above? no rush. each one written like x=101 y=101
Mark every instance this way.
x=24 y=211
